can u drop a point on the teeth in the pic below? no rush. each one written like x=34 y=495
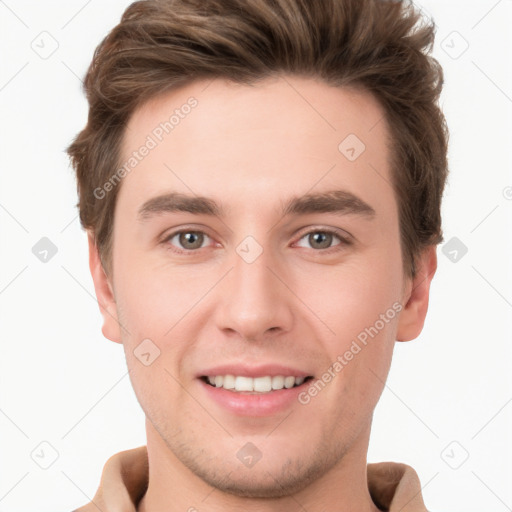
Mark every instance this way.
x=258 y=384
x=229 y=382
x=278 y=382
x=289 y=382
x=243 y=383
x=263 y=384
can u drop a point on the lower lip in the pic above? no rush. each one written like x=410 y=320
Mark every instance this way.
x=252 y=404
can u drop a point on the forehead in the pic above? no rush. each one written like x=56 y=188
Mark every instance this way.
x=280 y=137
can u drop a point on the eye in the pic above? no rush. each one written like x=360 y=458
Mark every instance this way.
x=322 y=239
x=187 y=239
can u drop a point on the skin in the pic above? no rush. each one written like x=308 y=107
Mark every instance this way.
x=250 y=149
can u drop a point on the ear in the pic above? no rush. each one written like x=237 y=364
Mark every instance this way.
x=104 y=293
x=416 y=296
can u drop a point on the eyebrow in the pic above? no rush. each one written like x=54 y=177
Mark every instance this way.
x=341 y=202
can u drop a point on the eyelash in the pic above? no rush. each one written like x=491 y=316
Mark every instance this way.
x=343 y=240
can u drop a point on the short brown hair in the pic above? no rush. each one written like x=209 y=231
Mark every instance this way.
x=379 y=46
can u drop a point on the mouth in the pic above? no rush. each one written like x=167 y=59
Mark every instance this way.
x=255 y=385
x=253 y=390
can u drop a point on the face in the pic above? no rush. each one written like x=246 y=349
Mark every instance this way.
x=223 y=269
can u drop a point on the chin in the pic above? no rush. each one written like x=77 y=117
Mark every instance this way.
x=261 y=483
x=271 y=477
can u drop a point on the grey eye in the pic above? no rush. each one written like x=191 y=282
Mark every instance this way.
x=189 y=239
x=320 y=239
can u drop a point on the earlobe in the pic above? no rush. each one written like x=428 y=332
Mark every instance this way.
x=412 y=317
x=104 y=293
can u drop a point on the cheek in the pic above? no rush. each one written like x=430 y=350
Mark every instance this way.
x=161 y=312
x=158 y=299
x=353 y=297
x=154 y=312
x=359 y=303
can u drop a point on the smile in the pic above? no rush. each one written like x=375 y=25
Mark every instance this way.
x=265 y=384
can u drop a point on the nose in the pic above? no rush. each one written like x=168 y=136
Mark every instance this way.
x=254 y=303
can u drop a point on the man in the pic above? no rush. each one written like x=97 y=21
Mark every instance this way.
x=261 y=185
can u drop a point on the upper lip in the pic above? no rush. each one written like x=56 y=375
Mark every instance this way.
x=260 y=370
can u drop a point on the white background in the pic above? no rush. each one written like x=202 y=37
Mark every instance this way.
x=449 y=393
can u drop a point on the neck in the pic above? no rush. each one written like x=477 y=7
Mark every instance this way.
x=173 y=487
